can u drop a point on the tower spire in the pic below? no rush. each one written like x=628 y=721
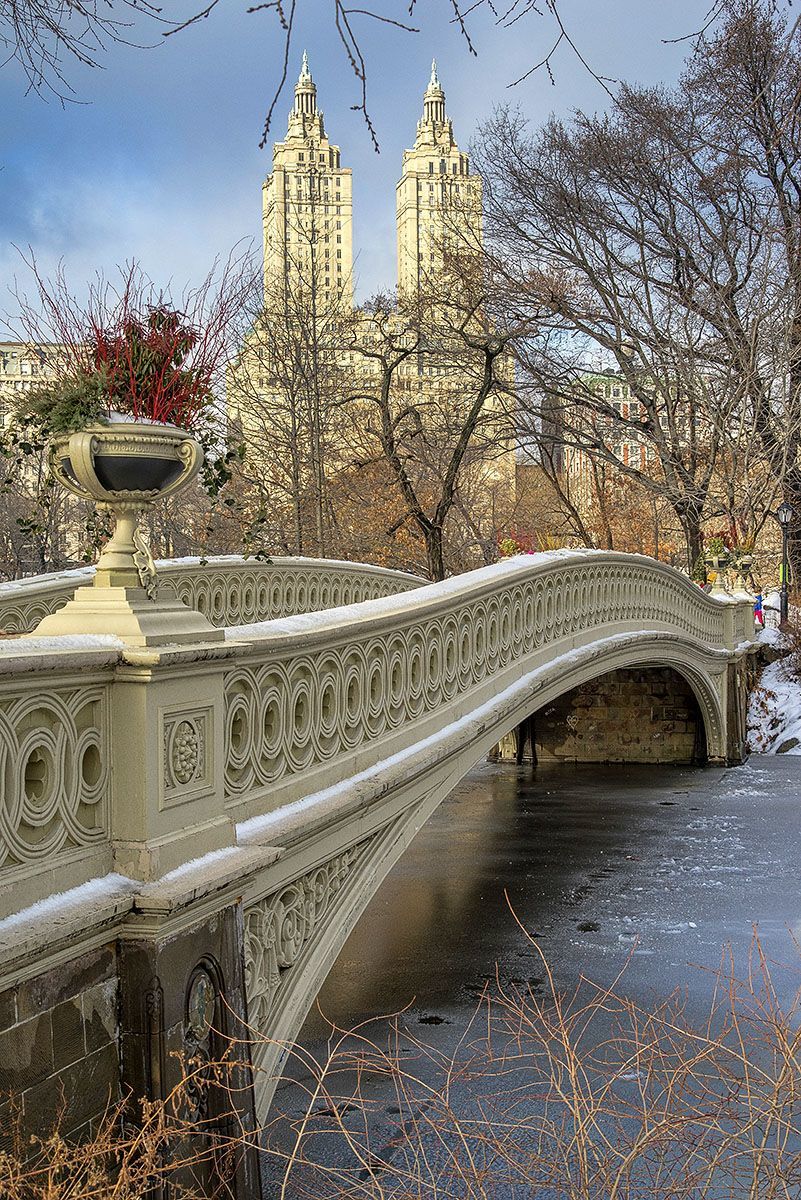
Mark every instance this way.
x=434 y=98
x=305 y=90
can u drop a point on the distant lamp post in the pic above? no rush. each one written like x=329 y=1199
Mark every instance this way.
x=784 y=515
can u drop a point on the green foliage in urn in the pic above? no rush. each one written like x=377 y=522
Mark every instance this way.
x=63 y=407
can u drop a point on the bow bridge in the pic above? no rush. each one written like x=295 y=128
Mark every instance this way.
x=189 y=832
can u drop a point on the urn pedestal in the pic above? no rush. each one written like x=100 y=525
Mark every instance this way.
x=124 y=468
x=718 y=563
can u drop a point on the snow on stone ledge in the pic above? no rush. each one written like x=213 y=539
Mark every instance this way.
x=15 y=646
x=98 y=901
x=456 y=585
x=335 y=618
x=16 y=587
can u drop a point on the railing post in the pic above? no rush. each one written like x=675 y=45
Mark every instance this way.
x=167 y=755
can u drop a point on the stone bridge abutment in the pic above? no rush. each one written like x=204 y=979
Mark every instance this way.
x=630 y=715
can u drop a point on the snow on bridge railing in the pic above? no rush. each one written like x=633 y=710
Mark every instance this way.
x=309 y=697
x=201 y=737
x=227 y=589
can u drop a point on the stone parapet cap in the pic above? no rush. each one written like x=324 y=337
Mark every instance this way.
x=208 y=875
x=53 y=926
x=115 y=905
x=64 y=582
x=59 y=655
x=172 y=655
x=73 y=577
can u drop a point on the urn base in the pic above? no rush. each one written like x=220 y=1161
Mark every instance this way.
x=127 y=613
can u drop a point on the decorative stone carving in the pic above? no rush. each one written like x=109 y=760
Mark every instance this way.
x=186 y=755
x=200 y=1003
x=267 y=591
x=143 y=559
x=291 y=710
x=278 y=928
x=124 y=467
x=199 y=1024
x=54 y=762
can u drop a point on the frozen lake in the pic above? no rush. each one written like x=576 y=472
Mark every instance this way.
x=654 y=869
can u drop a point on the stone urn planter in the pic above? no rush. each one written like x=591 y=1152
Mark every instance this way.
x=125 y=467
x=717 y=561
x=741 y=569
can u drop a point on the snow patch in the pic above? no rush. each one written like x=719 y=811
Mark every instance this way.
x=16 y=646
x=774 y=711
x=35 y=583
x=62 y=905
x=201 y=863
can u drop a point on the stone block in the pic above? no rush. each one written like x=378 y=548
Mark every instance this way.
x=65 y=981
x=68 y=1039
x=26 y=1054
x=100 y=1015
x=675 y=712
x=9 y=1135
x=8 y=1008
x=75 y=1095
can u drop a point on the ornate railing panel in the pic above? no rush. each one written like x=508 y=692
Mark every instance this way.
x=229 y=590
x=297 y=701
x=55 y=768
x=280 y=926
x=235 y=591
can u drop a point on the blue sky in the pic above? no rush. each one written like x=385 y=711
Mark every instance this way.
x=160 y=161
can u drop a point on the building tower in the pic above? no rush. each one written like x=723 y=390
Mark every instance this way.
x=438 y=200
x=308 y=210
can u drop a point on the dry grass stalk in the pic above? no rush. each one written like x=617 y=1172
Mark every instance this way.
x=149 y=1149
x=586 y=1095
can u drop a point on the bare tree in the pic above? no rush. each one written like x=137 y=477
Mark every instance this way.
x=47 y=36
x=432 y=401
x=629 y=242
x=745 y=82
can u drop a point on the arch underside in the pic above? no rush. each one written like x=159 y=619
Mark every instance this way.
x=370 y=839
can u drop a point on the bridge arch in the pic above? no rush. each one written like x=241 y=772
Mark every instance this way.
x=265 y=782
x=285 y=969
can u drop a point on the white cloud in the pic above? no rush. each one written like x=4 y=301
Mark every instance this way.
x=94 y=222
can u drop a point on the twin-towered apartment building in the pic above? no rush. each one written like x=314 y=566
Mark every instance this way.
x=308 y=353
x=308 y=203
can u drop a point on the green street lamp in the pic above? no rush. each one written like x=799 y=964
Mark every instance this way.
x=784 y=516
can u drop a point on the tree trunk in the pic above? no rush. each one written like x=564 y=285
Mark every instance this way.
x=434 y=557
x=690 y=519
x=792 y=494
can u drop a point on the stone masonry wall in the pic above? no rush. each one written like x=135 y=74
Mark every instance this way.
x=58 y=1047
x=633 y=715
